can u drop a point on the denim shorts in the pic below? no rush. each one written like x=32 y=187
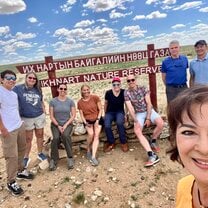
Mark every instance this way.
x=34 y=123
x=142 y=116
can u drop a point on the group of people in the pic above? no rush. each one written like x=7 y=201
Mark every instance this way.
x=22 y=112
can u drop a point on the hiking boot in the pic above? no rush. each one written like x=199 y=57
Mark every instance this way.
x=109 y=147
x=24 y=175
x=41 y=156
x=125 y=147
x=152 y=160
x=155 y=147
x=26 y=161
x=14 y=188
x=52 y=165
x=70 y=162
x=94 y=161
x=89 y=155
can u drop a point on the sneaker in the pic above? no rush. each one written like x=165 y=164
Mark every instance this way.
x=14 y=188
x=155 y=147
x=70 y=162
x=52 y=165
x=24 y=175
x=109 y=147
x=41 y=156
x=89 y=155
x=26 y=162
x=125 y=147
x=94 y=161
x=152 y=160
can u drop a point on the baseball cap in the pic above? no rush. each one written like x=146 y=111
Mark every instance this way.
x=116 y=79
x=200 y=42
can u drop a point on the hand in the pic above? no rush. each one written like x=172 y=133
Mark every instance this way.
x=60 y=129
x=147 y=123
x=4 y=132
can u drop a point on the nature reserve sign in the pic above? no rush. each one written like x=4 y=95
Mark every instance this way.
x=100 y=76
x=52 y=66
x=93 y=61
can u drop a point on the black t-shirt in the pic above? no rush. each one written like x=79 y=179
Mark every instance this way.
x=115 y=104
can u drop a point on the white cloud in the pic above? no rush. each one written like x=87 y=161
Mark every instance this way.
x=4 y=30
x=133 y=31
x=188 y=5
x=12 y=6
x=205 y=9
x=100 y=5
x=85 y=34
x=151 y=1
x=139 y=17
x=102 y=20
x=155 y=15
x=22 y=36
x=32 y=19
x=177 y=26
x=114 y=15
x=200 y=26
x=84 y=23
x=15 y=46
x=63 y=47
x=169 y=2
x=67 y=6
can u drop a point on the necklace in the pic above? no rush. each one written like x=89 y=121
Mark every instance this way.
x=200 y=203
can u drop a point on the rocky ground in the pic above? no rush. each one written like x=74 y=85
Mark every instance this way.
x=120 y=181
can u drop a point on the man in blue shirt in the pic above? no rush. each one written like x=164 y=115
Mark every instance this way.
x=199 y=66
x=174 y=71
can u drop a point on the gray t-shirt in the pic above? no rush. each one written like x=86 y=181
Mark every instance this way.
x=62 y=109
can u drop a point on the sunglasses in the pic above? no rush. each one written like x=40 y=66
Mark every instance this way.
x=130 y=80
x=61 y=88
x=33 y=78
x=116 y=85
x=13 y=78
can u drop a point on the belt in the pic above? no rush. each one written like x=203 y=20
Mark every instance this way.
x=177 y=86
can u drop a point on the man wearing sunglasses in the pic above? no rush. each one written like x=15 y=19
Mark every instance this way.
x=138 y=102
x=174 y=71
x=12 y=134
x=114 y=111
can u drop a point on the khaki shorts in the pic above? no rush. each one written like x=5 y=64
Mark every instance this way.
x=35 y=123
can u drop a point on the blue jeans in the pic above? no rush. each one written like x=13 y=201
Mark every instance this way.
x=118 y=117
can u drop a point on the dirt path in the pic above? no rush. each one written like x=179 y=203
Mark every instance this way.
x=120 y=181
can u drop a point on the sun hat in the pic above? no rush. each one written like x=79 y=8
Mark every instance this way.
x=116 y=79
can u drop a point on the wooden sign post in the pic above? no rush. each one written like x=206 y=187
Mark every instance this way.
x=53 y=81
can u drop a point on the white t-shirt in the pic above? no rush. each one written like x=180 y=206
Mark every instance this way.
x=9 y=109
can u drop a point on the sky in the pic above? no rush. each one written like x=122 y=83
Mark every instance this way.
x=33 y=29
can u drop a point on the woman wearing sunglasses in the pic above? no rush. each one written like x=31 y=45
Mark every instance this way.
x=114 y=111
x=62 y=113
x=32 y=111
x=90 y=110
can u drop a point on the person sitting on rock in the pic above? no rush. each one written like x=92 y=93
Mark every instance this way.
x=62 y=113
x=114 y=111
x=137 y=99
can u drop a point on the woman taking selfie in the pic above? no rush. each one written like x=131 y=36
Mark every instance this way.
x=188 y=120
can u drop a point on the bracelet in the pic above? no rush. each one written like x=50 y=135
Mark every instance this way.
x=98 y=119
x=148 y=119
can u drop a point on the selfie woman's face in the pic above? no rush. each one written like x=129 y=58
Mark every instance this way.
x=192 y=142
